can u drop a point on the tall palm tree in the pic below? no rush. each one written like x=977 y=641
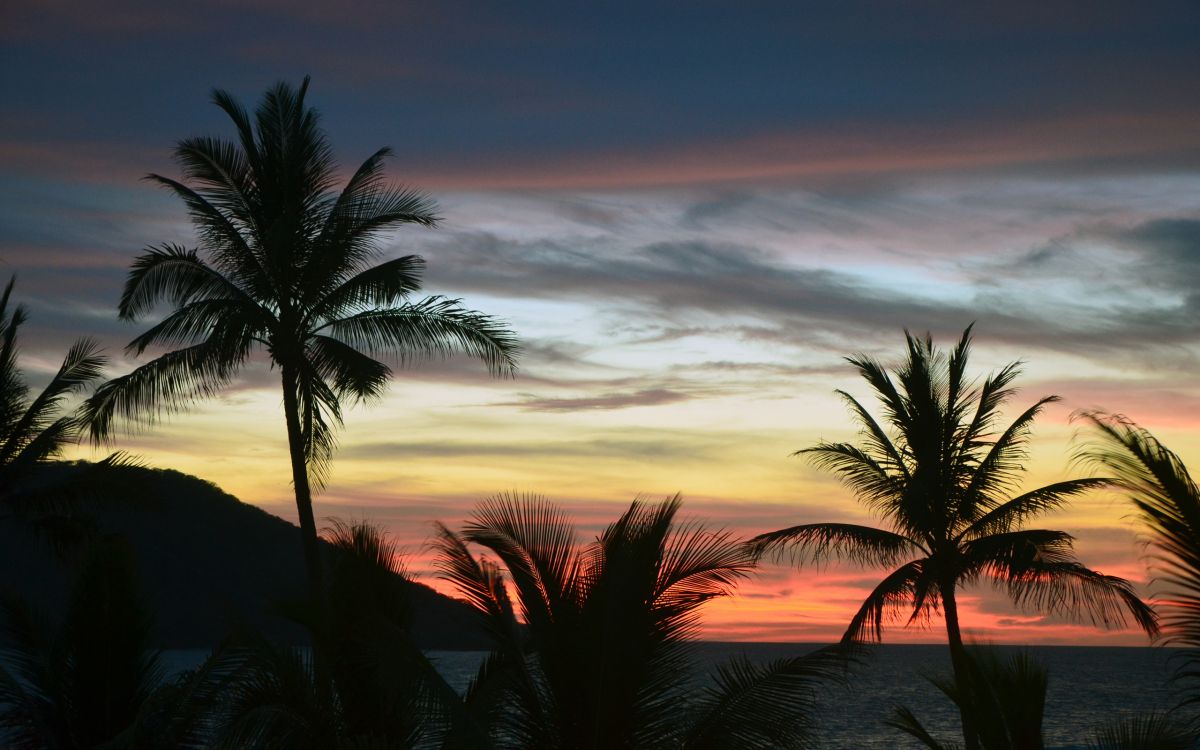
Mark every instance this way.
x=284 y=265
x=1168 y=505
x=33 y=430
x=939 y=471
x=601 y=660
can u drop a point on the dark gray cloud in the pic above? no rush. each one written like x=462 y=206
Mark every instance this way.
x=1169 y=251
x=687 y=288
x=604 y=401
x=661 y=447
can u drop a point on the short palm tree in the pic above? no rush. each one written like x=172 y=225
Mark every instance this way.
x=285 y=265
x=940 y=475
x=82 y=681
x=1167 y=501
x=1004 y=696
x=33 y=430
x=602 y=657
x=362 y=684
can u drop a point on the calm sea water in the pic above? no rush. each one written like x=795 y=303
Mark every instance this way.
x=1088 y=687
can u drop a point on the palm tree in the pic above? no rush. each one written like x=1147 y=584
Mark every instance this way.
x=82 y=681
x=1167 y=501
x=601 y=659
x=285 y=265
x=34 y=430
x=940 y=475
x=1005 y=698
x=362 y=684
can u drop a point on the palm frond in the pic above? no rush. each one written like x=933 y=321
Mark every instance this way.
x=817 y=543
x=536 y=542
x=172 y=274
x=893 y=592
x=906 y=721
x=241 y=121
x=39 y=432
x=1151 y=731
x=879 y=445
x=1004 y=461
x=1013 y=513
x=320 y=416
x=763 y=706
x=173 y=381
x=223 y=174
x=477 y=581
x=201 y=320
x=383 y=285
x=358 y=217
x=871 y=481
x=236 y=256
x=349 y=372
x=433 y=327
x=1167 y=502
x=1039 y=570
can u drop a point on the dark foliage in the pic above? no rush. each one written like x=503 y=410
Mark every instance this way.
x=1167 y=503
x=80 y=681
x=34 y=429
x=941 y=470
x=286 y=266
x=602 y=660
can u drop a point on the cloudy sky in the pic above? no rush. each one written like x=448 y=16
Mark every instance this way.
x=689 y=212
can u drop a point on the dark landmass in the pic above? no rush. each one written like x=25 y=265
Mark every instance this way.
x=209 y=562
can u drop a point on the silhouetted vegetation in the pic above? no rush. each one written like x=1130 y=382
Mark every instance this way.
x=602 y=659
x=590 y=644
x=1167 y=502
x=1003 y=699
x=284 y=265
x=939 y=470
x=80 y=681
x=1155 y=731
x=35 y=429
x=364 y=682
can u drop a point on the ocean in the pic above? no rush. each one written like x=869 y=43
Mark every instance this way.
x=1088 y=686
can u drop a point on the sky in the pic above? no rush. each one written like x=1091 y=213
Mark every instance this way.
x=690 y=213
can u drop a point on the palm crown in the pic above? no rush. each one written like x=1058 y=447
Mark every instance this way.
x=285 y=265
x=602 y=660
x=940 y=471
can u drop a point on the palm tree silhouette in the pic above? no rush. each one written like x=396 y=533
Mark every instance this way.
x=34 y=430
x=285 y=265
x=940 y=475
x=602 y=657
x=80 y=682
x=1004 y=696
x=1168 y=505
x=362 y=684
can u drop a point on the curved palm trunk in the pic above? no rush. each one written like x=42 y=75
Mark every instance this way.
x=304 y=509
x=958 y=659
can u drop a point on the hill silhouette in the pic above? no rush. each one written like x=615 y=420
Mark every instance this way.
x=208 y=561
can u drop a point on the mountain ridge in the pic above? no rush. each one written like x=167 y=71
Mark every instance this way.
x=209 y=563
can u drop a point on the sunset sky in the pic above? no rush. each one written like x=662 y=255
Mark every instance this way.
x=690 y=213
